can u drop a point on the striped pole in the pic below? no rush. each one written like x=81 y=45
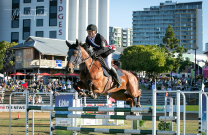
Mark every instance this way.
x=114 y=131
x=154 y=110
x=26 y=114
x=103 y=109
x=121 y=117
x=178 y=112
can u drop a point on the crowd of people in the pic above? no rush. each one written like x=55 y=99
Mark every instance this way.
x=174 y=84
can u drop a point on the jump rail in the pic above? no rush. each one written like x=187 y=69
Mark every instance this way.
x=121 y=117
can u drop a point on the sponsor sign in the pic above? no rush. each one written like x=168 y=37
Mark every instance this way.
x=58 y=63
x=14 y=108
x=64 y=101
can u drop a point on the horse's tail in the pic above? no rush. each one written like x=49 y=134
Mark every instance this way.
x=135 y=74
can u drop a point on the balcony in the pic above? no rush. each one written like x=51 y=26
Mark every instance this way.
x=46 y=63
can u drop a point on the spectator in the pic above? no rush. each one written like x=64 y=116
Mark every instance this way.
x=30 y=99
x=60 y=81
x=53 y=88
x=63 y=88
x=68 y=82
x=55 y=94
x=36 y=99
x=39 y=99
x=63 y=82
x=41 y=87
x=60 y=86
x=69 y=86
x=163 y=87
x=72 y=90
x=149 y=102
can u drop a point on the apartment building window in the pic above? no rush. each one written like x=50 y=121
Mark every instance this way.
x=39 y=34
x=52 y=34
x=27 y=1
x=15 y=14
x=40 y=10
x=26 y=28
x=53 y=13
x=39 y=22
x=40 y=0
x=15 y=24
x=27 y=11
x=15 y=37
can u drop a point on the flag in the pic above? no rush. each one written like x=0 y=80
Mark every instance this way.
x=24 y=85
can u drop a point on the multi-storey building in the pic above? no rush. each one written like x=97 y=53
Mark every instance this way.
x=149 y=25
x=206 y=47
x=61 y=19
x=127 y=37
x=120 y=37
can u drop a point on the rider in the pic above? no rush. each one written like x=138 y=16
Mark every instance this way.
x=99 y=45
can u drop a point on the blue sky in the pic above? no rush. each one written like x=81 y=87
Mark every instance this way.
x=121 y=12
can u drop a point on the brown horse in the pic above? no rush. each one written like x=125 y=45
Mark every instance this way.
x=93 y=79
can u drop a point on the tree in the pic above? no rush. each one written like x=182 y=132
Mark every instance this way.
x=172 y=48
x=6 y=56
x=185 y=62
x=149 y=58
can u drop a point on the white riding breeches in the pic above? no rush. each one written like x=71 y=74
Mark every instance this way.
x=108 y=60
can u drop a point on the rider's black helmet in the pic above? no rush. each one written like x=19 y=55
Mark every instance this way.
x=92 y=27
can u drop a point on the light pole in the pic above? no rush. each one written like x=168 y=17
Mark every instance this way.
x=195 y=48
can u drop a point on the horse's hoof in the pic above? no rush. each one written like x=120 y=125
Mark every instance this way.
x=138 y=105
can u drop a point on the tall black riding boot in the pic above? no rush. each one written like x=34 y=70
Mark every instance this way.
x=117 y=78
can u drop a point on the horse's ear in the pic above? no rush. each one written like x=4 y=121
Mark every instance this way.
x=77 y=42
x=68 y=44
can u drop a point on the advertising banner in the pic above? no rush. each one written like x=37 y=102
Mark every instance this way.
x=64 y=101
x=27 y=57
x=14 y=108
x=58 y=63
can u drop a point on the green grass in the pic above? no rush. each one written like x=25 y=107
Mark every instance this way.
x=42 y=126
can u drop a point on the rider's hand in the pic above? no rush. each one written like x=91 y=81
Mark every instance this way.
x=93 y=55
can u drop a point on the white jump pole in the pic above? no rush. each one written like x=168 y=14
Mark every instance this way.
x=40 y=93
x=33 y=116
x=10 y=102
x=154 y=110
x=178 y=112
x=200 y=110
x=26 y=113
x=51 y=104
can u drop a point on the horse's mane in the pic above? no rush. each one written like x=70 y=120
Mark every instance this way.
x=86 y=47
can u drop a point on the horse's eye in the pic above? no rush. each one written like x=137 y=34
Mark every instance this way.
x=75 y=53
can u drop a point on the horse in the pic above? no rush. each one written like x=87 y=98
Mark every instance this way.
x=93 y=79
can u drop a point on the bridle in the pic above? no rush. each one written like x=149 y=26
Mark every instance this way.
x=83 y=60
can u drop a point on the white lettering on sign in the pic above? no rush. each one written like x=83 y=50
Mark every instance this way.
x=63 y=103
x=60 y=17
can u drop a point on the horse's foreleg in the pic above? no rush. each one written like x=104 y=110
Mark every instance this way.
x=77 y=87
x=91 y=92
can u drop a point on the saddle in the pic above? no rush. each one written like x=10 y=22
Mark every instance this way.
x=105 y=68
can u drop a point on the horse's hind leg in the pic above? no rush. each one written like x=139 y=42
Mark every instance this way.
x=138 y=102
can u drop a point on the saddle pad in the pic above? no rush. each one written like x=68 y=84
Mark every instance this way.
x=119 y=72
x=105 y=71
